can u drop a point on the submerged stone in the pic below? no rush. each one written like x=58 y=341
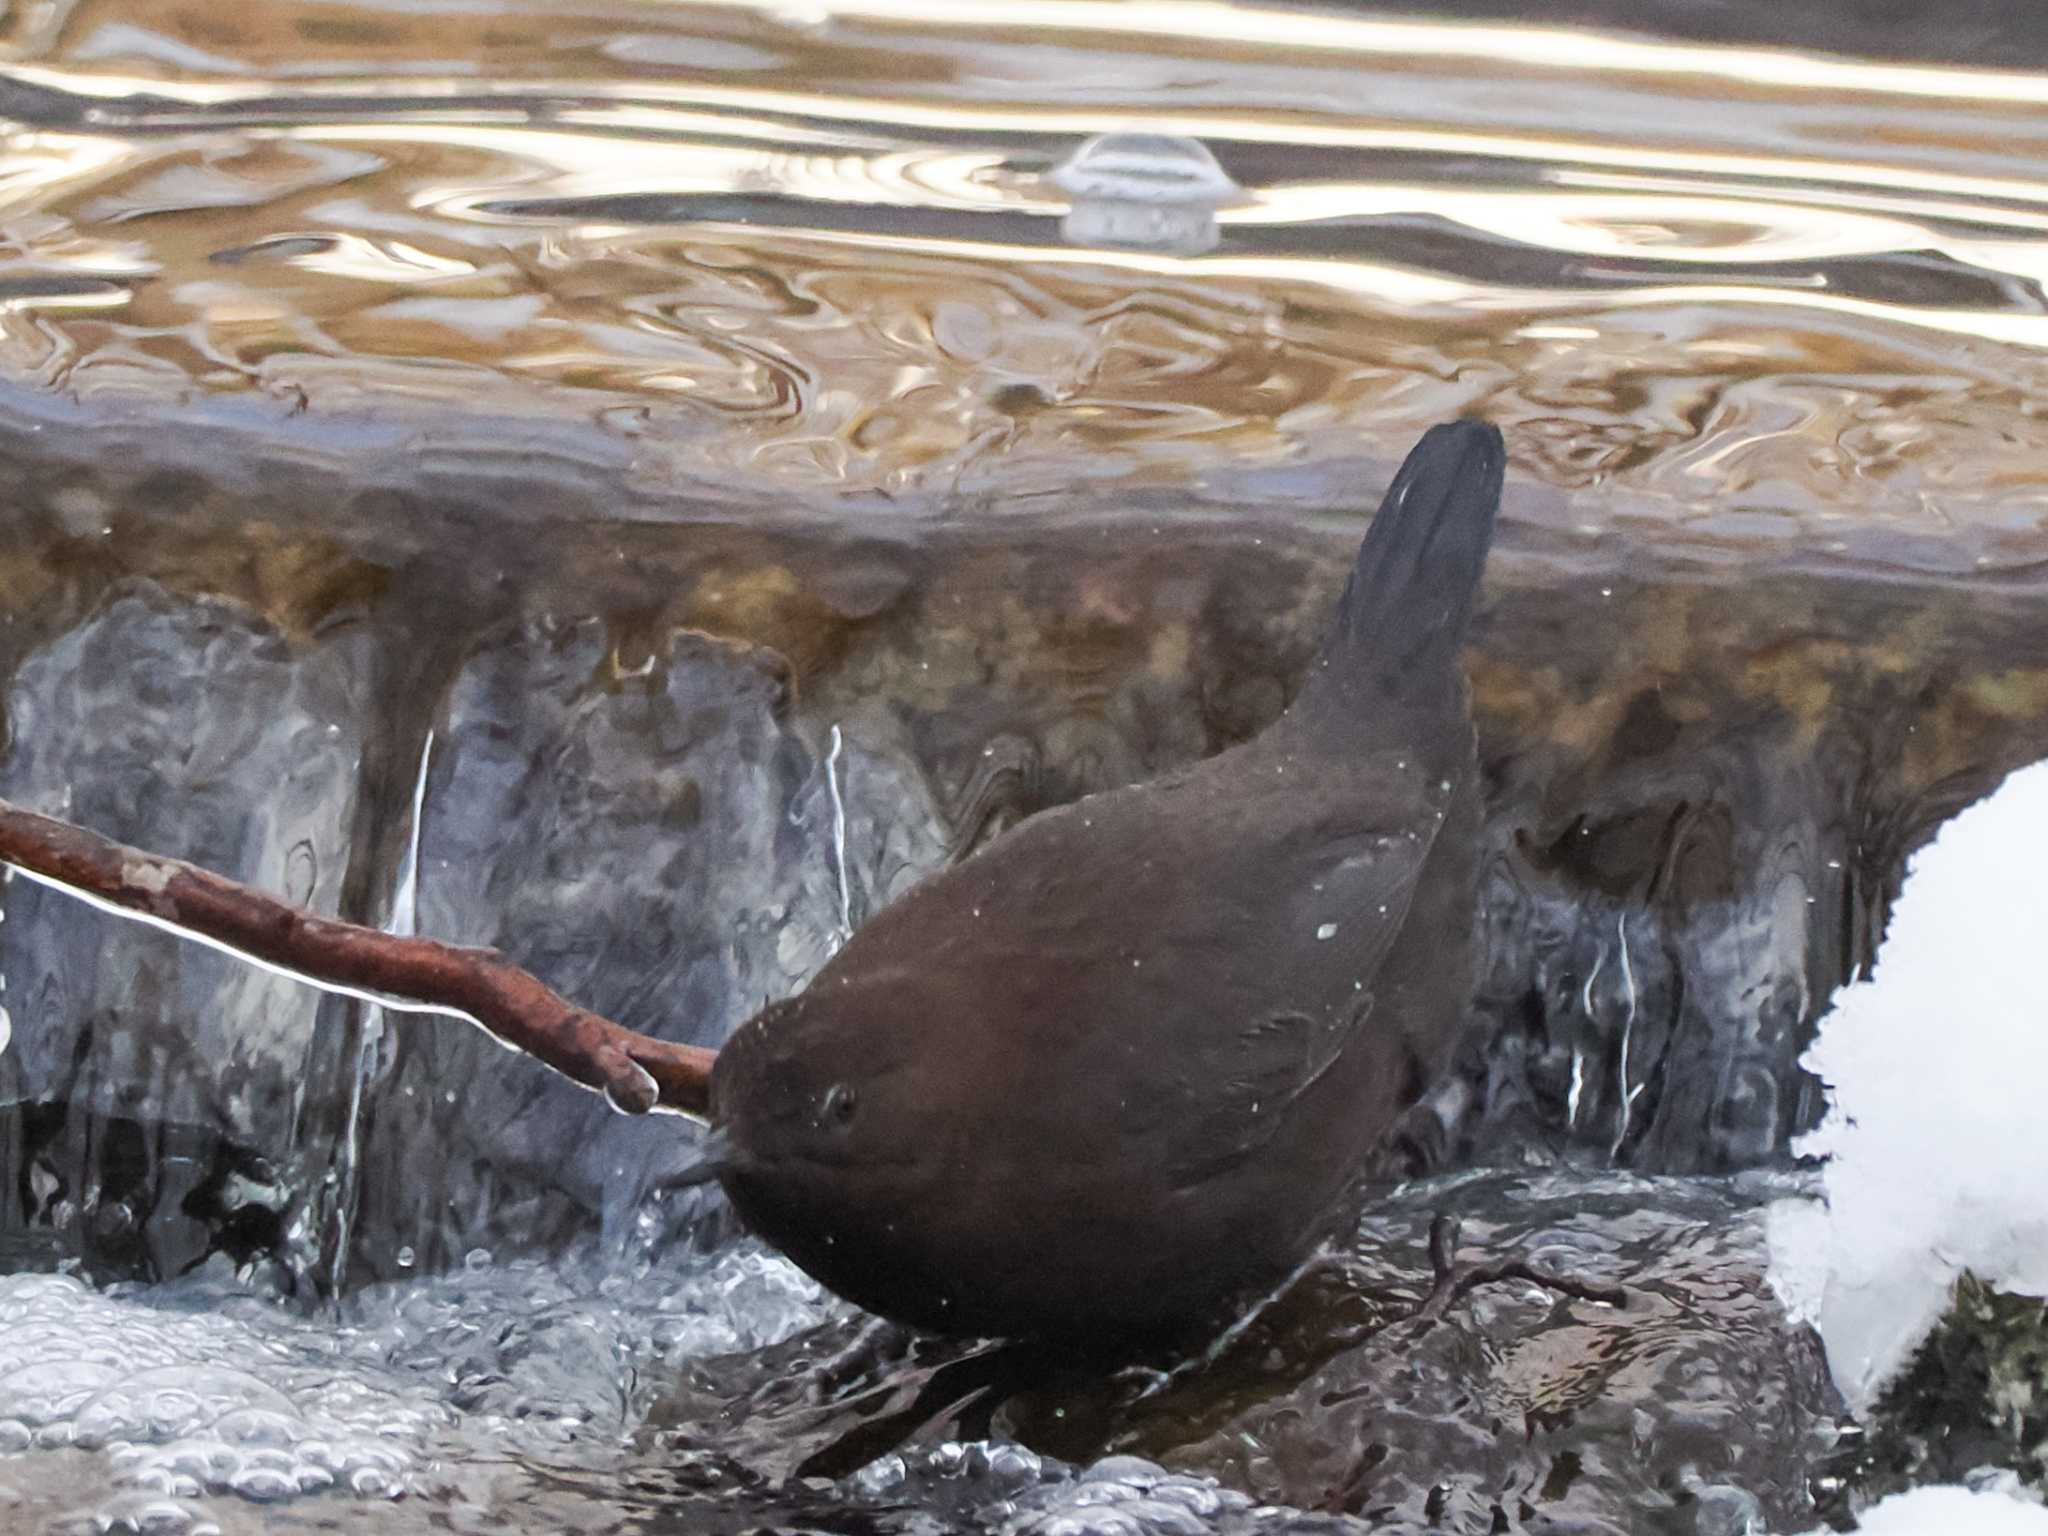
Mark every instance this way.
x=1518 y=1410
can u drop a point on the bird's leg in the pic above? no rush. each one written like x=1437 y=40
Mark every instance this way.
x=879 y=1343
x=1152 y=1381
x=1453 y=1280
x=862 y=1360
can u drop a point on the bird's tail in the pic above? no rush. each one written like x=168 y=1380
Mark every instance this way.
x=1403 y=615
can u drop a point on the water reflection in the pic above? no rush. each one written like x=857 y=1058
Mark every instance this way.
x=823 y=248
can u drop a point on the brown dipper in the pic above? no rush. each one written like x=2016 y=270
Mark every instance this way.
x=1129 y=1061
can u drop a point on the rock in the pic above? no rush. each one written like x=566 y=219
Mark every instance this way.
x=1695 y=1407
x=1704 y=771
x=155 y=1087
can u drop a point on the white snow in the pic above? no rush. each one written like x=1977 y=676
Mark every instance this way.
x=1951 y=1511
x=1937 y=1069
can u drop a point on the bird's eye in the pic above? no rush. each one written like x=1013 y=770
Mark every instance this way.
x=839 y=1104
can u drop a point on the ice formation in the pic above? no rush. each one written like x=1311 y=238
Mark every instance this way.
x=1935 y=1064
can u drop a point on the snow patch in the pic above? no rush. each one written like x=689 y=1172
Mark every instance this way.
x=1951 y=1511
x=1936 y=1066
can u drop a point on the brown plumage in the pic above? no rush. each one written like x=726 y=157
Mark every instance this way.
x=1128 y=1061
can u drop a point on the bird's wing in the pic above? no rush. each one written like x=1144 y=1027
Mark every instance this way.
x=1279 y=1057
x=1249 y=964
x=1198 y=985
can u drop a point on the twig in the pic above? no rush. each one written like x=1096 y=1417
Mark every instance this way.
x=1454 y=1280
x=636 y=1072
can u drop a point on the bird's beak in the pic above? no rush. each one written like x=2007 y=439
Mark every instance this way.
x=714 y=1157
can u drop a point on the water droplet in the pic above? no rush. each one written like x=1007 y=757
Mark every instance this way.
x=1145 y=191
x=881 y=1476
x=1327 y=931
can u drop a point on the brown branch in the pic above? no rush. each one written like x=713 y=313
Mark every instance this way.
x=636 y=1072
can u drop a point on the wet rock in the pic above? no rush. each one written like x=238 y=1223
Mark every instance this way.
x=653 y=837
x=1967 y=1408
x=677 y=754
x=1696 y=1405
x=1700 y=805
x=1523 y=1405
x=150 y=1096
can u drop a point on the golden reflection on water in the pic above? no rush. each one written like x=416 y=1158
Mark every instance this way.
x=811 y=246
x=1523 y=48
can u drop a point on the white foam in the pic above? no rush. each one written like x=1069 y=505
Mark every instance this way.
x=196 y=1390
x=1935 y=1065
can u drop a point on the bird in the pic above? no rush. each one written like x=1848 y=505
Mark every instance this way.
x=1130 y=1061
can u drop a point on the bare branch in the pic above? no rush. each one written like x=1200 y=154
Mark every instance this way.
x=636 y=1072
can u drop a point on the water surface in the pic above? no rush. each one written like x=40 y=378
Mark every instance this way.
x=812 y=248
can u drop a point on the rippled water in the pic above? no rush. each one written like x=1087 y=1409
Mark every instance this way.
x=727 y=1394
x=814 y=247
x=135 y=1408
